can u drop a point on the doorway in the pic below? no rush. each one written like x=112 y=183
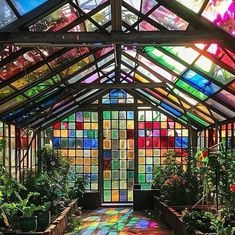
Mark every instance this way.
x=118 y=165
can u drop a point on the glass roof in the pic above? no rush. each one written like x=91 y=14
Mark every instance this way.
x=195 y=82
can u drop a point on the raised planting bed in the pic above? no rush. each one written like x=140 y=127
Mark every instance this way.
x=57 y=227
x=172 y=218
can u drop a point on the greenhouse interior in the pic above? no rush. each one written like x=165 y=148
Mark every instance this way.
x=117 y=117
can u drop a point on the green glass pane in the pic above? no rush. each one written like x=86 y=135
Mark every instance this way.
x=79 y=169
x=107 y=184
x=122 y=124
x=131 y=164
x=146 y=186
x=197 y=119
x=87 y=116
x=114 y=114
x=123 y=184
x=141 y=178
x=94 y=117
x=191 y=90
x=107 y=195
x=165 y=60
x=115 y=174
x=107 y=115
x=115 y=164
x=94 y=169
x=130 y=174
x=31 y=92
x=122 y=154
x=115 y=154
x=115 y=134
x=115 y=184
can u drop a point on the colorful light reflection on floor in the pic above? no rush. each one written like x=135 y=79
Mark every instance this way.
x=118 y=221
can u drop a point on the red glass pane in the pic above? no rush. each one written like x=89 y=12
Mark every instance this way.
x=79 y=125
x=56 y=126
x=141 y=125
x=130 y=134
x=171 y=142
x=164 y=132
x=149 y=142
x=141 y=142
x=156 y=142
x=149 y=125
x=156 y=125
x=163 y=142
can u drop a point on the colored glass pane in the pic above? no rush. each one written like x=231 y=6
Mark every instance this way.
x=193 y=5
x=227 y=98
x=221 y=13
x=56 y=20
x=24 y=6
x=200 y=83
x=215 y=71
x=165 y=60
x=197 y=119
x=6 y=14
x=186 y=54
x=168 y=19
x=191 y=90
x=6 y=91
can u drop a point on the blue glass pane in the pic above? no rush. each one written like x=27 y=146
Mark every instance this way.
x=94 y=143
x=123 y=195
x=130 y=115
x=94 y=177
x=141 y=133
x=6 y=14
x=149 y=177
x=184 y=142
x=71 y=133
x=87 y=143
x=118 y=94
x=200 y=83
x=56 y=142
x=170 y=109
x=149 y=168
x=72 y=142
x=107 y=154
x=25 y=6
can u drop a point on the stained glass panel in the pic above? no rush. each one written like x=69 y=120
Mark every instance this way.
x=156 y=135
x=6 y=14
x=78 y=135
x=118 y=156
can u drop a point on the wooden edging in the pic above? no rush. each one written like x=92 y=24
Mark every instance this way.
x=173 y=218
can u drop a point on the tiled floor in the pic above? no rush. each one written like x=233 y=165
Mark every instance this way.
x=118 y=221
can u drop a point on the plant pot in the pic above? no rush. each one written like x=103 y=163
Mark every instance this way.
x=28 y=224
x=43 y=220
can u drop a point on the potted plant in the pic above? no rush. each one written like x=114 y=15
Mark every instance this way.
x=43 y=217
x=28 y=222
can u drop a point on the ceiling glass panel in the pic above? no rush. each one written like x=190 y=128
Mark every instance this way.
x=168 y=19
x=88 y=5
x=165 y=60
x=31 y=77
x=145 y=26
x=227 y=97
x=6 y=14
x=20 y=64
x=147 y=5
x=25 y=6
x=200 y=83
x=56 y=20
x=197 y=119
x=4 y=92
x=134 y=3
x=213 y=70
x=193 y=5
x=186 y=54
x=221 y=13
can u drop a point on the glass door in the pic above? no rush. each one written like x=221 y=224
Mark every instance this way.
x=118 y=156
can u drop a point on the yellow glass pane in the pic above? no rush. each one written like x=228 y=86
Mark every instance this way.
x=106 y=124
x=130 y=144
x=72 y=152
x=163 y=124
x=141 y=160
x=141 y=152
x=130 y=154
x=140 y=78
x=115 y=195
x=122 y=134
x=107 y=175
x=130 y=195
x=123 y=184
x=94 y=126
x=94 y=153
x=64 y=133
x=79 y=153
x=94 y=161
x=149 y=152
x=122 y=154
x=107 y=144
x=72 y=160
x=87 y=161
x=87 y=125
x=130 y=124
x=79 y=161
x=87 y=169
x=107 y=134
x=56 y=133
x=64 y=152
x=122 y=144
x=161 y=91
x=177 y=125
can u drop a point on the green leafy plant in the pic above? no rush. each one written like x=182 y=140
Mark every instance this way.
x=170 y=167
x=77 y=189
x=198 y=220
